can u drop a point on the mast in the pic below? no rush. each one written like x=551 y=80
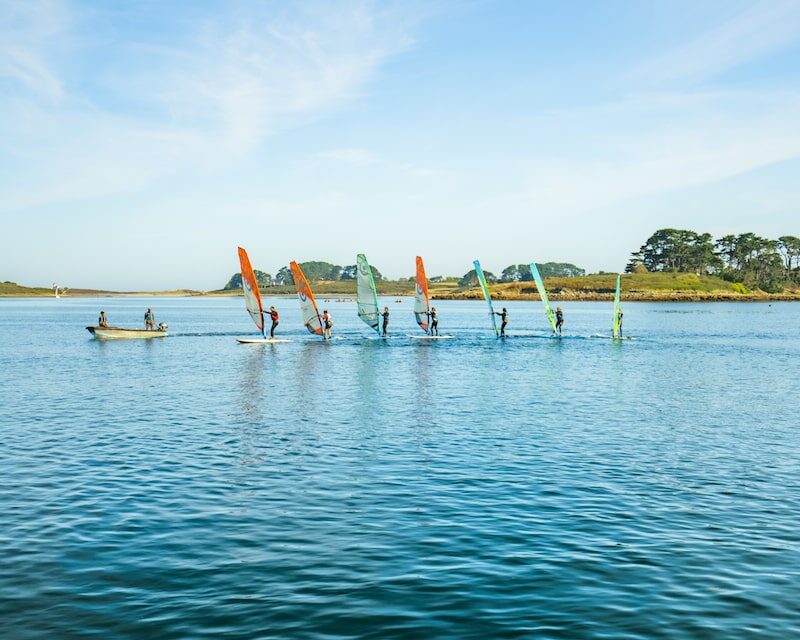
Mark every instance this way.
x=308 y=306
x=366 y=295
x=421 y=299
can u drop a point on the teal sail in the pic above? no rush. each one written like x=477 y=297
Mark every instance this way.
x=543 y=295
x=366 y=296
x=485 y=287
x=615 y=327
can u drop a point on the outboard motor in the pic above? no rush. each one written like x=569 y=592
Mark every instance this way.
x=162 y=326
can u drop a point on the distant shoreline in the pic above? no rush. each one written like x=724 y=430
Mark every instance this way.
x=647 y=287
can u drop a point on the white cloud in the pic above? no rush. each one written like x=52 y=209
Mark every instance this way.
x=148 y=110
x=760 y=29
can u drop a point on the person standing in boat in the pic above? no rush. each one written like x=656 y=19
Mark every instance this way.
x=385 y=316
x=559 y=321
x=149 y=320
x=102 y=321
x=434 y=322
x=327 y=324
x=273 y=315
x=503 y=321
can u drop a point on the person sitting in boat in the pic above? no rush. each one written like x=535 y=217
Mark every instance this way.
x=149 y=320
x=327 y=323
x=434 y=322
x=385 y=316
x=273 y=315
x=102 y=321
x=503 y=321
x=559 y=321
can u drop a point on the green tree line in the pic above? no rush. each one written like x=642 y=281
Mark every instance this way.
x=756 y=262
x=314 y=270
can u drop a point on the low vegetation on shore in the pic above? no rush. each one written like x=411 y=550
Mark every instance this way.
x=672 y=265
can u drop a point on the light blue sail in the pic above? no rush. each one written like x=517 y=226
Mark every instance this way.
x=485 y=287
x=543 y=295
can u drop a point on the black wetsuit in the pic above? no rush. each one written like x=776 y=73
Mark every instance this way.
x=434 y=323
x=503 y=322
x=559 y=321
x=619 y=322
x=385 y=316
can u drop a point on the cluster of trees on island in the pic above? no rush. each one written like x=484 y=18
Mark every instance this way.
x=325 y=271
x=756 y=262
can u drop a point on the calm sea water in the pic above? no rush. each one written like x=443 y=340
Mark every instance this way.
x=193 y=487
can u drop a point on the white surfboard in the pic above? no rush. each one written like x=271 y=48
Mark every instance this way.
x=431 y=337
x=261 y=340
x=599 y=335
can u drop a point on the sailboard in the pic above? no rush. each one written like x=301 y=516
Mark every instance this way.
x=543 y=295
x=252 y=296
x=308 y=306
x=366 y=295
x=485 y=287
x=426 y=337
x=421 y=298
x=261 y=340
x=615 y=326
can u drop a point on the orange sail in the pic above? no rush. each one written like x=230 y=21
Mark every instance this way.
x=252 y=296
x=421 y=299
x=308 y=306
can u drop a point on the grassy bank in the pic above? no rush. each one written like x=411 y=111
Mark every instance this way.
x=640 y=286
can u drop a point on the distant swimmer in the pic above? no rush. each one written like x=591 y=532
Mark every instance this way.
x=149 y=320
x=102 y=321
x=385 y=316
x=327 y=324
x=503 y=321
x=273 y=315
x=434 y=328
x=559 y=321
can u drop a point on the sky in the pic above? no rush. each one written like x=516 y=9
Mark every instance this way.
x=141 y=143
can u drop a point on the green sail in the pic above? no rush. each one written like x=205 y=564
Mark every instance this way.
x=485 y=287
x=543 y=295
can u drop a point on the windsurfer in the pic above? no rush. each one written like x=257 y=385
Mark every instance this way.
x=434 y=328
x=503 y=321
x=619 y=321
x=385 y=316
x=327 y=323
x=559 y=321
x=273 y=315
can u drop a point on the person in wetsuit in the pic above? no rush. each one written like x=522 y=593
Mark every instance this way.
x=327 y=323
x=434 y=328
x=559 y=321
x=273 y=315
x=619 y=321
x=102 y=321
x=503 y=321
x=385 y=316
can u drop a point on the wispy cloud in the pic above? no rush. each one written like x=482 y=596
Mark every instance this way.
x=204 y=97
x=758 y=30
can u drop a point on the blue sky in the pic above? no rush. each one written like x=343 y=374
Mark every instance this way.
x=139 y=145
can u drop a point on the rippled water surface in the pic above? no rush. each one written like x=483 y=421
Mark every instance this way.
x=193 y=487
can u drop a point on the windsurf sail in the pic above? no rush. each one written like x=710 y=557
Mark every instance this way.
x=421 y=299
x=615 y=326
x=543 y=295
x=485 y=287
x=252 y=296
x=308 y=306
x=366 y=296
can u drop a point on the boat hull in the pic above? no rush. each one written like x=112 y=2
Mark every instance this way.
x=120 y=333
